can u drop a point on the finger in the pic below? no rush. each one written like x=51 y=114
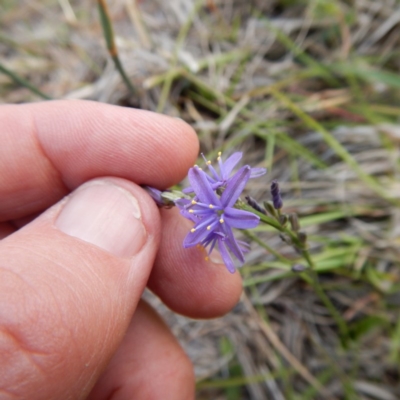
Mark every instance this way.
x=69 y=284
x=184 y=280
x=6 y=229
x=149 y=364
x=53 y=147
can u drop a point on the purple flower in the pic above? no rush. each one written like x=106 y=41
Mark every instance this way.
x=221 y=179
x=214 y=216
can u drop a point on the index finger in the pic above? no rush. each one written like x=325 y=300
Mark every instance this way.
x=51 y=148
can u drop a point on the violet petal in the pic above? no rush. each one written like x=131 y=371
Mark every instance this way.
x=257 y=172
x=240 y=219
x=226 y=256
x=201 y=186
x=200 y=233
x=229 y=164
x=235 y=186
x=231 y=242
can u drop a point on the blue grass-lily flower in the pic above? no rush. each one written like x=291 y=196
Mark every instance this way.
x=221 y=178
x=214 y=216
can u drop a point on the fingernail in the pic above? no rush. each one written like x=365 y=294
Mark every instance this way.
x=105 y=215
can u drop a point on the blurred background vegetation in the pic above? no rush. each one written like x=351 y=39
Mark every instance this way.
x=309 y=89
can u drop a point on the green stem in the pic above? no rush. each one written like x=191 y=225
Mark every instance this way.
x=315 y=283
x=310 y=276
x=279 y=256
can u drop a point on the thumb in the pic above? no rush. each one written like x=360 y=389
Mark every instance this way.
x=69 y=284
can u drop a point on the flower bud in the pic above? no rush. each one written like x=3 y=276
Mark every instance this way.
x=157 y=196
x=270 y=208
x=298 y=268
x=276 y=195
x=294 y=222
x=253 y=203
x=285 y=238
x=283 y=219
x=302 y=236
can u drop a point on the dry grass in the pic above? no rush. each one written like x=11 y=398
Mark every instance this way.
x=308 y=89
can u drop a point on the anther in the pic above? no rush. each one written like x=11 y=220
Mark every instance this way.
x=193 y=230
x=221 y=220
x=208 y=227
x=207 y=258
x=209 y=162
x=194 y=202
x=191 y=211
x=211 y=206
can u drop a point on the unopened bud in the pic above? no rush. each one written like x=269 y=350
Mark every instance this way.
x=298 y=268
x=302 y=236
x=162 y=199
x=285 y=238
x=294 y=222
x=270 y=208
x=253 y=203
x=276 y=195
x=283 y=219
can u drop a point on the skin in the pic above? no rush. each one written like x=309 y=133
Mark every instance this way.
x=72 y=325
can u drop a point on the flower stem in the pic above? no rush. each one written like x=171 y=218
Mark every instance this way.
x=311 y=275
x=255 y=239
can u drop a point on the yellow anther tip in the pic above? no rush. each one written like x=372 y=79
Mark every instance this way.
x=219 y=153
x=191 y=211
x=207 y=258
x=221 y=220
x=208 y=162
x=211 y=206
x=208 y=227
x=194 y=202
x=193 y=230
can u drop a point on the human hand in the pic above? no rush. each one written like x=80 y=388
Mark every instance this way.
x=72 y=269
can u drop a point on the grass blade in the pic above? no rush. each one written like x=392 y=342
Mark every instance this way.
x=110 y=41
